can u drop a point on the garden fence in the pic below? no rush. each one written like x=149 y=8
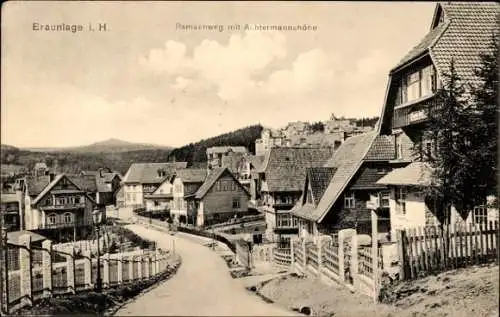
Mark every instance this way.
x=37 y=272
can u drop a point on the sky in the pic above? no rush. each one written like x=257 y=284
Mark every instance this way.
x=145 y=77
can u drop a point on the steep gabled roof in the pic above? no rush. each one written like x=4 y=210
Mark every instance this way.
x=423 y=46
x=212 y=177
x=319 y=178
x=57 y=179
x=191 y=175
x=148 y=173
x=383 y=148
x=285 y=167
x=470 y=32
x=35 y=185
x=86 y=183
x=466 y=31
x=346 y=160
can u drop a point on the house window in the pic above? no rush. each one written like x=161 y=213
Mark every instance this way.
x=428 y=81
x=349 y=200
x=51 y=219
x=384 y=198
x=295 y=221
x=480 y=216
x=400 y=198
x=67 y=217
x=413 y=86
x=217 y=186
x=157 y=203
x=236 y=203
x=283 y=220
x=419 y=84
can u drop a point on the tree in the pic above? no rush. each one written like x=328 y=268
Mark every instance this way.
x=484 y=97
x=449 y=128
x=463 y=126
x=318 y=127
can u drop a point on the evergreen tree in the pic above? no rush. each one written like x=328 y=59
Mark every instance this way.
x=484 y=98
x=449 y=128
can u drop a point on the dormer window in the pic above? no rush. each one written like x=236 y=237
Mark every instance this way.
x=419 y=84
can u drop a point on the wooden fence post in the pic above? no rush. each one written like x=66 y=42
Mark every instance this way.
x=70 y=270
x=25 y=269
x=341 y=256
x=87 y=268
x=130 y=263
x=47 y=268
x=320 y=257
x=139 y=270
x=401 y=240
x=304 y=253
x=106 y=269
x=354 y=255
x=375 y=258
x=119 y=268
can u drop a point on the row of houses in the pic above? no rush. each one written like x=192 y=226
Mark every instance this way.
x=55 y=204
x=190 y=195
x=300 y=134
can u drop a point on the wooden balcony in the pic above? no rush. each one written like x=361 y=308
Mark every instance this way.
x=415 y=113
x=71 y=224
x=64 y=207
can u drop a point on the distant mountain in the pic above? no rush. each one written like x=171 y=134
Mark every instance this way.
x=107 y=146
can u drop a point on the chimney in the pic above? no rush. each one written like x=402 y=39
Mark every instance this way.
x=52 y=176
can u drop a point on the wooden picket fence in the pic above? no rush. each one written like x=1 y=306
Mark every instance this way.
x=429 y=250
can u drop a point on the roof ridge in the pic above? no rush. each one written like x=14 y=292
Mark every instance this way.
x=348 y=179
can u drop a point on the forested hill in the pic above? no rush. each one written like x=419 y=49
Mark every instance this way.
x=196 y=152
x=75 y=162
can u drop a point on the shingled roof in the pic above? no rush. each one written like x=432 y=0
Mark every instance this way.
x=102 y=182
x=383 y=148
x=319 y=179
x=285 y=167
x=148 y=173
x=212 y=177
x=465 y=32
x=35 y=185
x=86 y=183
x=417 y=173
x=191 y=175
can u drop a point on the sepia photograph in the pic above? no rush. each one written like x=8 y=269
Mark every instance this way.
x=249 y=158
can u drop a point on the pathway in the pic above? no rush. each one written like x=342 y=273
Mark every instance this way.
x=201 y=287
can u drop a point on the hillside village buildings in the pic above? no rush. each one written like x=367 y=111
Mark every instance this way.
x=216 y=154
x=301 y=134
x=144 y=178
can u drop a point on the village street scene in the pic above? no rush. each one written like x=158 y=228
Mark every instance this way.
x=341 y=162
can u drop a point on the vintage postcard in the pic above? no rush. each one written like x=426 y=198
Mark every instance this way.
x=249 y=158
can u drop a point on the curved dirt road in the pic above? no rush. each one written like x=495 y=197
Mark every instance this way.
x=201 y=287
